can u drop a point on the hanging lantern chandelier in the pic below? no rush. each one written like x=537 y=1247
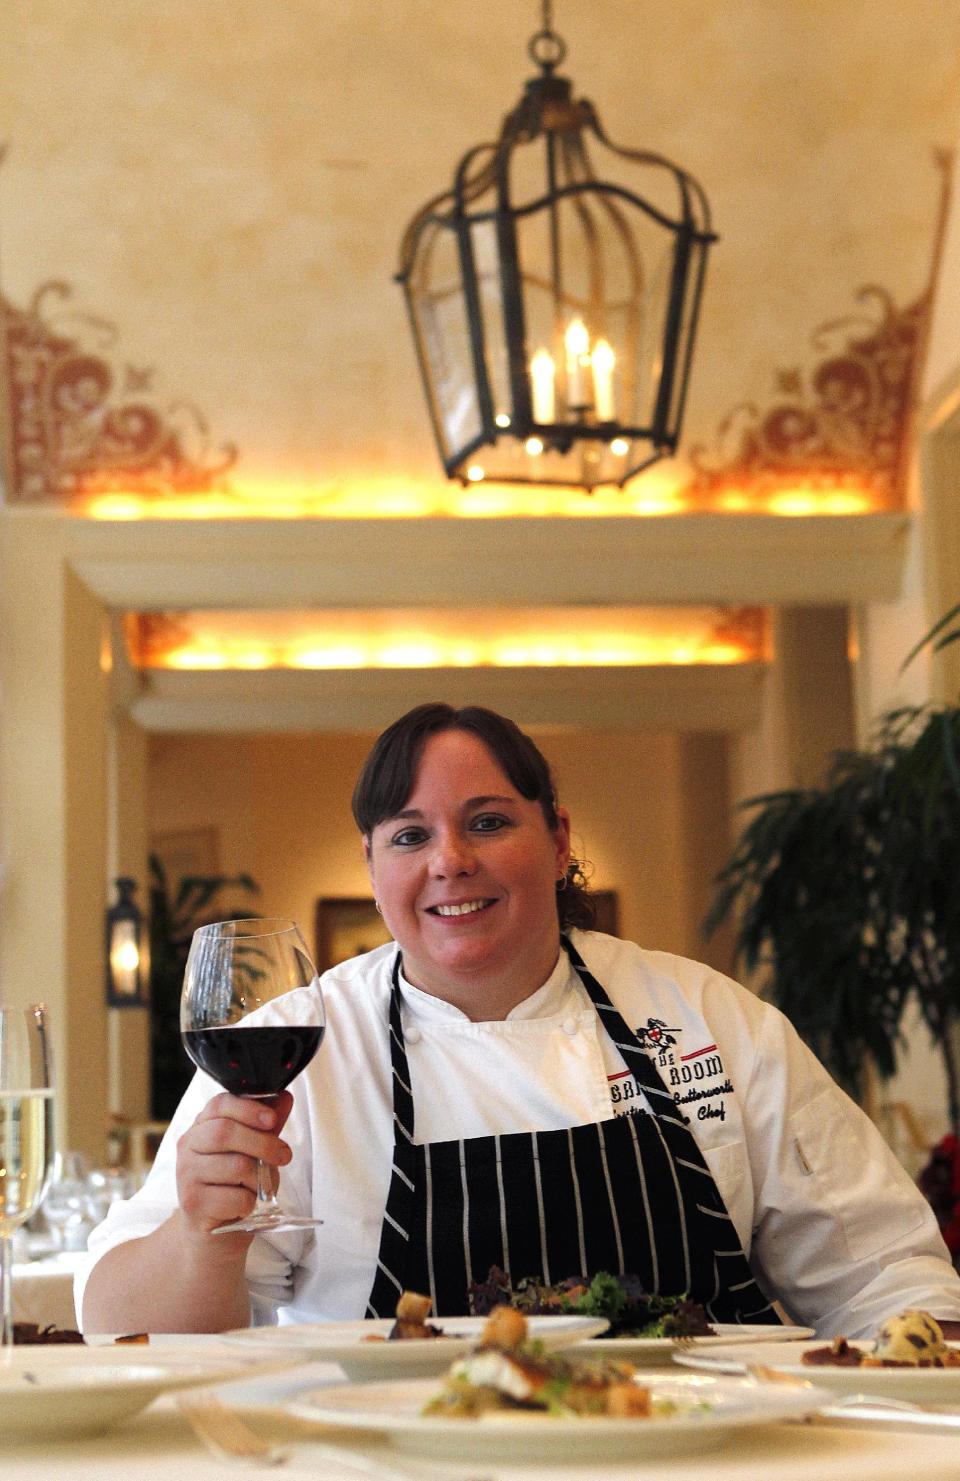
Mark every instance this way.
x=554 y=307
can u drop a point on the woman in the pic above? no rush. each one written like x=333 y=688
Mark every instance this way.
x=503 y=1087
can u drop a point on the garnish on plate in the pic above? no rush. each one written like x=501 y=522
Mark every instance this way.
x=621 y=1299
x=507 y=1371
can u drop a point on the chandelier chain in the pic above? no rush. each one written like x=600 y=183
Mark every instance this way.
x=545 y=47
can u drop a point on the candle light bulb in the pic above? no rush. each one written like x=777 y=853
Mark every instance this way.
x=577 y=345
x=603 y=361
x=542 y=373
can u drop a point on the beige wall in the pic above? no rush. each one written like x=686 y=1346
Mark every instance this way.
x=282 y=806
x=229 y=182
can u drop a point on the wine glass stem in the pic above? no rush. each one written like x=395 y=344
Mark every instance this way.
x=266 y=1198
x=6 y=1294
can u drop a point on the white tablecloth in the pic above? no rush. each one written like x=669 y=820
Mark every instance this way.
x=157 y=1445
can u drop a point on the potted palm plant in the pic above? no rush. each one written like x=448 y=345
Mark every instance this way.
x=845 y=897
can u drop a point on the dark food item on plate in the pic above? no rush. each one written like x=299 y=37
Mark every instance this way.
x=411 y=1322
x=630 y=1310
x=838 y=1355
x=507 y=1372
x=911 y=1340
x=30 y=1334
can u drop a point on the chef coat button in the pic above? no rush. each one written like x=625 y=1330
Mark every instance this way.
x=412 y=1035
x=569 y=1027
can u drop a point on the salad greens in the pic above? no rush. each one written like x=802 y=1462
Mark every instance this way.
x=621 y=1299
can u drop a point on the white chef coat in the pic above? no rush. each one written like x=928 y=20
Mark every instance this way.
x=833 y=1226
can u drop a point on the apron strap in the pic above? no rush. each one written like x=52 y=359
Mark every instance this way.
x=662 y=1103
x=395 y=1233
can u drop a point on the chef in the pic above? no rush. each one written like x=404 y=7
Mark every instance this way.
x=503 y=1086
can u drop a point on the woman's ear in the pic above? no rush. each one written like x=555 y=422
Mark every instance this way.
x=368 y=860
x=562 y=836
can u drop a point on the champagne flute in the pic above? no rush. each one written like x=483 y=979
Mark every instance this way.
x=252 y=1018
x=26 y=1135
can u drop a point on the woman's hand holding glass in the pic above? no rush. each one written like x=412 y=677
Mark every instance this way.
x=219 y=1159
x=237 y=1028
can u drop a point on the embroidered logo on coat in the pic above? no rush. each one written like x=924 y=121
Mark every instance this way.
x=655 y=1035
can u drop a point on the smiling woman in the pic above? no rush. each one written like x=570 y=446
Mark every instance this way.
x=503 y=1086
x=466 y=874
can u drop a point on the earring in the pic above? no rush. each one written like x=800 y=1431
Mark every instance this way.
x=562 y=883
x=376 y=906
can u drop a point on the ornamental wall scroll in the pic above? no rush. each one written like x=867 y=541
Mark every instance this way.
x=849 y=420
x=80 y=423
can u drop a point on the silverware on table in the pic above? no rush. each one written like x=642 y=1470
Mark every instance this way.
x=229 y=1437
x=889 y=1414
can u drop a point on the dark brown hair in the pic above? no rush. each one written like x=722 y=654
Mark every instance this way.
x=389 y=772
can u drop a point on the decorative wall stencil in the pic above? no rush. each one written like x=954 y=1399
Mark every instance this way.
x=848 y=421
x=78 y=422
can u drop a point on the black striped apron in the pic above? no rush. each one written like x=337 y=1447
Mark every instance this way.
x=631 y=1195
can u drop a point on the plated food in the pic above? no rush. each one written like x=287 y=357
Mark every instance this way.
x=31 y=1334
x=620 y=1299
x=411 y=1323
x=913 y=1339
x=688 y=1412
x=509 y=1370
x=349 y=1344
x=907 y=1360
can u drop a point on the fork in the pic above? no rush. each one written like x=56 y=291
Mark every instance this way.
x=229 y=1437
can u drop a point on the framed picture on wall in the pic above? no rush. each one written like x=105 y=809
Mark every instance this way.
x=606 y=911
x=346 y=928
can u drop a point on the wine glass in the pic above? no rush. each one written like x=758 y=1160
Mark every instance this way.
x=26 y=1135
x=252 y=1018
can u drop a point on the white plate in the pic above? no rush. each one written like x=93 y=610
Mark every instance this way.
x=712 y=1405
x=61 y=1399
x=915 y=1385
x=652 y=1351
x=348 y=1344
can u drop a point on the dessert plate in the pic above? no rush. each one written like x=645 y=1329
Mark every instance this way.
x=914 y=1385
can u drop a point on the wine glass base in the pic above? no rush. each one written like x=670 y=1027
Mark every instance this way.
x=268 y=1223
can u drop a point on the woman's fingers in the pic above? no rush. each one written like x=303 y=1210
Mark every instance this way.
x=217 y=1157
x=222 y=1134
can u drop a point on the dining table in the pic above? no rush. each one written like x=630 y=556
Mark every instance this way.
x=158 y=1442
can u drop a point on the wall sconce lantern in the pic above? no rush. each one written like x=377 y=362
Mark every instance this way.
x=126 y=974
x=554 y=307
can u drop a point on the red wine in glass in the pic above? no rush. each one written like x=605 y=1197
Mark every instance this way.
x=252 y=1017
x=258 y=1062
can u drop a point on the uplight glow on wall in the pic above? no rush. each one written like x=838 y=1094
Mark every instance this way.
x=652 y=495
x=529 y=637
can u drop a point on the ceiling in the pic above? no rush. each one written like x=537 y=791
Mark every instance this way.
x=226 y=185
